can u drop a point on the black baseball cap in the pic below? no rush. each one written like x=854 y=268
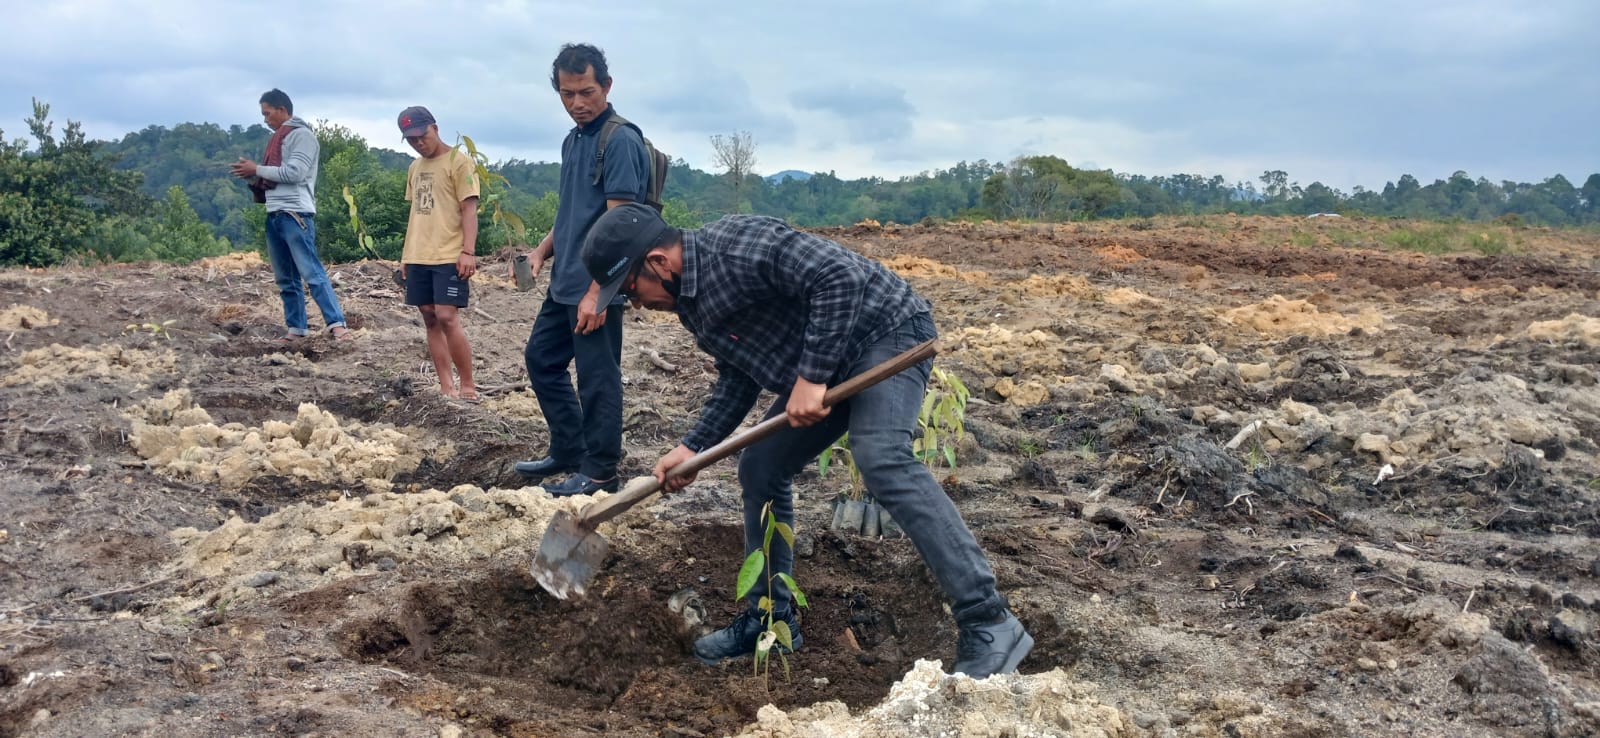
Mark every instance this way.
x=414 y=121
x=617 y=241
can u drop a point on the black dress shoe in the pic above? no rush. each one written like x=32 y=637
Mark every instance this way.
x=581 y=484
x=534 y=471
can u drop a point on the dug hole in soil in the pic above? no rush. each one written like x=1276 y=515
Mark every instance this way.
x=1233 y=487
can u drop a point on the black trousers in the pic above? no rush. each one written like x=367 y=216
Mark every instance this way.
x=586 y=425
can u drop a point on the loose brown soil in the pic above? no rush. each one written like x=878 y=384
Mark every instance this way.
x=1233 y=485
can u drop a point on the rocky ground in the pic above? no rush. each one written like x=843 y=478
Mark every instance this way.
x=1239 y=476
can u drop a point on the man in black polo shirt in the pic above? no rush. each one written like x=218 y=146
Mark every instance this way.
x=793 y=313
x=575 y=324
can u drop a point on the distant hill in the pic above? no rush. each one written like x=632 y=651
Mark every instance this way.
x=793 y=174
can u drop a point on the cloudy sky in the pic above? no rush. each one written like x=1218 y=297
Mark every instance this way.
x=1347 y=93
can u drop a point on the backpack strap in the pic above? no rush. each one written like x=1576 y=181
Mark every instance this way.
x=606 y=130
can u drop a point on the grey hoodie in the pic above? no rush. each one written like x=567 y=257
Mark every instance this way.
x=297 y=175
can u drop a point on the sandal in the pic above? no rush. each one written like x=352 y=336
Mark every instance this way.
x=342 y=333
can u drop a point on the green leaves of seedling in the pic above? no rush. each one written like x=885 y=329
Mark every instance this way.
x=750 y=573
x=794 y=589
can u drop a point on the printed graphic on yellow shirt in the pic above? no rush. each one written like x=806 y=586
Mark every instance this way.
x=424 y=194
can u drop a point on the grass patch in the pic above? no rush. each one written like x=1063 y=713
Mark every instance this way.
x=1451 y=238
x=1303 y=239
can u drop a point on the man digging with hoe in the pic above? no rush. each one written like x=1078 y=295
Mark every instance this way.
x=793 y=313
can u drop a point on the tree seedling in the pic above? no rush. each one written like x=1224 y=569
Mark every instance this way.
x=757 y=567
x=840 y=452
x=495 y=186
x=942 y=420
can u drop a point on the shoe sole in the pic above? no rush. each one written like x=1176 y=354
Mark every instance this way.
x=1018 y=653
x=1014 y=657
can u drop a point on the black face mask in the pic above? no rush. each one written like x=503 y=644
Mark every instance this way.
x=672 y=286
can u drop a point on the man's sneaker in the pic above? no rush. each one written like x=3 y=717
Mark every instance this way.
x=739 y=639
x=581 y=484
x=991 y=648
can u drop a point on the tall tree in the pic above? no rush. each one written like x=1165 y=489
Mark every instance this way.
x=735 y=154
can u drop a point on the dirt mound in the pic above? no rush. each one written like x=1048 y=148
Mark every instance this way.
x=24 y=317
x=179 y=437
x=1059 y=285
x=917 y=266
x=306 y=545
x=929 y=702
x=1025 y=362
x=1467 y=422
x=1574 y=327
x=1126 y=296
x=1300 y=317
x=234 y=263
x=1118 y=253
x=520 y=404
x=55 y=365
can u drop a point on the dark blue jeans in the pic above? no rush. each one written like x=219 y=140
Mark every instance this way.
x=585 y=427
x=882 y=422
x=293 y=251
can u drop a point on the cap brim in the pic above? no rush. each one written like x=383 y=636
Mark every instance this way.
x=609 y=290
x=408 y=132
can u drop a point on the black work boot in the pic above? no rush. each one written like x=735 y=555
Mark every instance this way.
x=739 y=638
x=994 y=647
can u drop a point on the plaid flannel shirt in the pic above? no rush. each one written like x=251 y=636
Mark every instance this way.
x=770 y=303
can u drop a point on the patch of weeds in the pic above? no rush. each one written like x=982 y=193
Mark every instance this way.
x=1426 y=239
x=1030 y=447
x=1490 y=243
x=1452 y=237
x=1346 y=239
x=1511 y=220
x=1088 y=447
x=1302 y=239
x=1256 y=457
x=155 y=329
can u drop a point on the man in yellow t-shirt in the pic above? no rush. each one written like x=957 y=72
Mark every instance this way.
x=441 y=243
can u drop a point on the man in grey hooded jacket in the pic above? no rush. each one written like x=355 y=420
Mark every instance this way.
x=286 y=181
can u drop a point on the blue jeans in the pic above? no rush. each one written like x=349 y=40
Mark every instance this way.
x=882 y=421
x=293 y=250
x=586 y=427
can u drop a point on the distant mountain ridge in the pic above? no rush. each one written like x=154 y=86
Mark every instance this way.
x=793 y=174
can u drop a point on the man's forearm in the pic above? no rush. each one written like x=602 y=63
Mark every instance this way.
x=469 y=226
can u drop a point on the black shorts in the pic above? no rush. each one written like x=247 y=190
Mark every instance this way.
x=435 y=284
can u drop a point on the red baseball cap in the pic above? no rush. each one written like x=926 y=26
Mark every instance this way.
x=414 y=121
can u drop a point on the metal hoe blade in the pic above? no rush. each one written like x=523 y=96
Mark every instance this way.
x=569 y=556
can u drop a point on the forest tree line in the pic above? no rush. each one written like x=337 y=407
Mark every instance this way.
x=165 y=193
